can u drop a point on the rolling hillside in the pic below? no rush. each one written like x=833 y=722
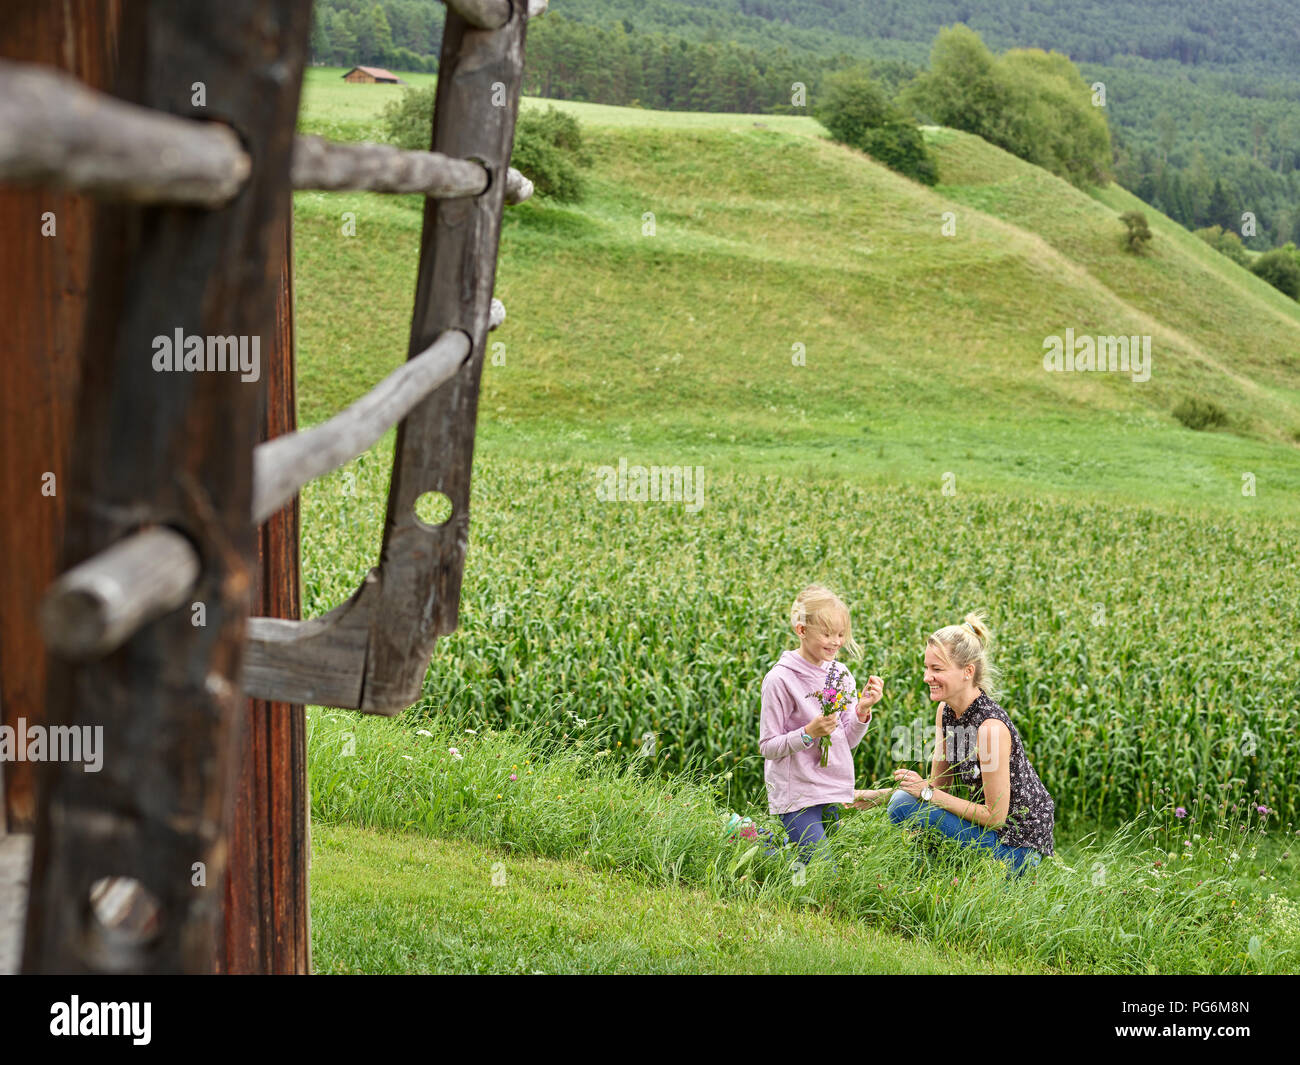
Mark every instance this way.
x=1142 y=603
x=923 y=352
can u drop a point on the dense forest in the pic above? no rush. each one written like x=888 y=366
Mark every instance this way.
x=1202 y=96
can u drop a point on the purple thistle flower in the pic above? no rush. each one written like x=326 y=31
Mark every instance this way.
x=1180 y=812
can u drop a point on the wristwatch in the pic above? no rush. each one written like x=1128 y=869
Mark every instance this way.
x=926 y=792
x=807 y=740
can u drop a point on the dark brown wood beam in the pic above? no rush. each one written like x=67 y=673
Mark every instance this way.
x=43 y=288
x=267 y=914
x=168 y=448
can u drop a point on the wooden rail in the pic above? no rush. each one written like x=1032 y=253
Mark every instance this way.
x=55 y=131
x=96 y=606
x=328 y=165
x=168 y=484
x=372 y=651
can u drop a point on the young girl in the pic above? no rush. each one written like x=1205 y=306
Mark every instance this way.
x=800 y=790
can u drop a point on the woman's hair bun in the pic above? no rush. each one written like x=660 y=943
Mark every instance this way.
x=975 y=622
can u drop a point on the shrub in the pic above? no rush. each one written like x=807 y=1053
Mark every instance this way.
x=549 y=151
x=1280 y=269
x=408 y=121
x=1138 y=233
x=548 y=147
x=1196 y=413
x=856 y=112
x=1225 y=242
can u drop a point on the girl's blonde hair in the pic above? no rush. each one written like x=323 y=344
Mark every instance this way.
x=967 y=644
x=819 y=608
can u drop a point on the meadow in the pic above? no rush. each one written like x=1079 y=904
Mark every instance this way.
x=1141 y=578
x=463 y=849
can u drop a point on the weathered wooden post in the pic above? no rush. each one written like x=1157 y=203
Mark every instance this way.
x=167 y=447
x=47 y=253
x=267 y=920
x=166 y=484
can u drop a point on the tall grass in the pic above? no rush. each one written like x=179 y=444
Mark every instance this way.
x=1154 y=897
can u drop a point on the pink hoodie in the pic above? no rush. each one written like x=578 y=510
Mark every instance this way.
x=794 y=774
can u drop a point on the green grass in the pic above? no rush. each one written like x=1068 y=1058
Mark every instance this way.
x=1144 y=604
x=923 y=353
x=1130 y=903
x=400 y=902
x=328 y=101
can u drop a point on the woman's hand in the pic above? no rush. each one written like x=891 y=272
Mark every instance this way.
x=910 y=782
x=871 y=695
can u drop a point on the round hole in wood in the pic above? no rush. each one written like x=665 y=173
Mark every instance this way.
x=125 y=908
x=433 y=509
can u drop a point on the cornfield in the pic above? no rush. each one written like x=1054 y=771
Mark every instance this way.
x=1140 y=650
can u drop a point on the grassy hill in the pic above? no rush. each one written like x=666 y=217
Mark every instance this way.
x=923 y=351
x=1144 y=606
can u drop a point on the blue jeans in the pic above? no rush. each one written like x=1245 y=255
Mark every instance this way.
x=806 y=828
x=903 y=807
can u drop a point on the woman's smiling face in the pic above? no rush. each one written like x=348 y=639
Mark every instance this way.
x=942 y=677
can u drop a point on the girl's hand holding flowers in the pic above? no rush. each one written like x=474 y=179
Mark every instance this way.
x=832 y=700
x=870 y=695
x=822 y=725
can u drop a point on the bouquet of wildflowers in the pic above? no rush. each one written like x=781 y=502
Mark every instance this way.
x=832 y=698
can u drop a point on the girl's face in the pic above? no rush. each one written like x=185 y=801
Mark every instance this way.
x=942 y=677
x=823 y=644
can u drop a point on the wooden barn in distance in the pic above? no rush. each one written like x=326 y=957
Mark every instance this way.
x=149 y=547
x=372 y=76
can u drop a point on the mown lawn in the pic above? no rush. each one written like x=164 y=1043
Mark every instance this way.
x=397 y=902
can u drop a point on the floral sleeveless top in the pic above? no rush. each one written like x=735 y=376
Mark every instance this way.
x=1031 y=813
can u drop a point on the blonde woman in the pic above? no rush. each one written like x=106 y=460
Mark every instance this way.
x=978 y=750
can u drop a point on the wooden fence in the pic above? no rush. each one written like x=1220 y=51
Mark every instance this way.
x=147 y=155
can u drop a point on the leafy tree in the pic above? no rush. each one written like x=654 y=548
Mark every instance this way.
x=1220 y=212
x=1280 y=269
x=962 y=88
x=856 y=112
x=1051 y=119
x=408 y=120
x=381 y=34
x=1032 y=103
x=363 y=28
x=1225 y=242
x=321 y=47
x=343 y=39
